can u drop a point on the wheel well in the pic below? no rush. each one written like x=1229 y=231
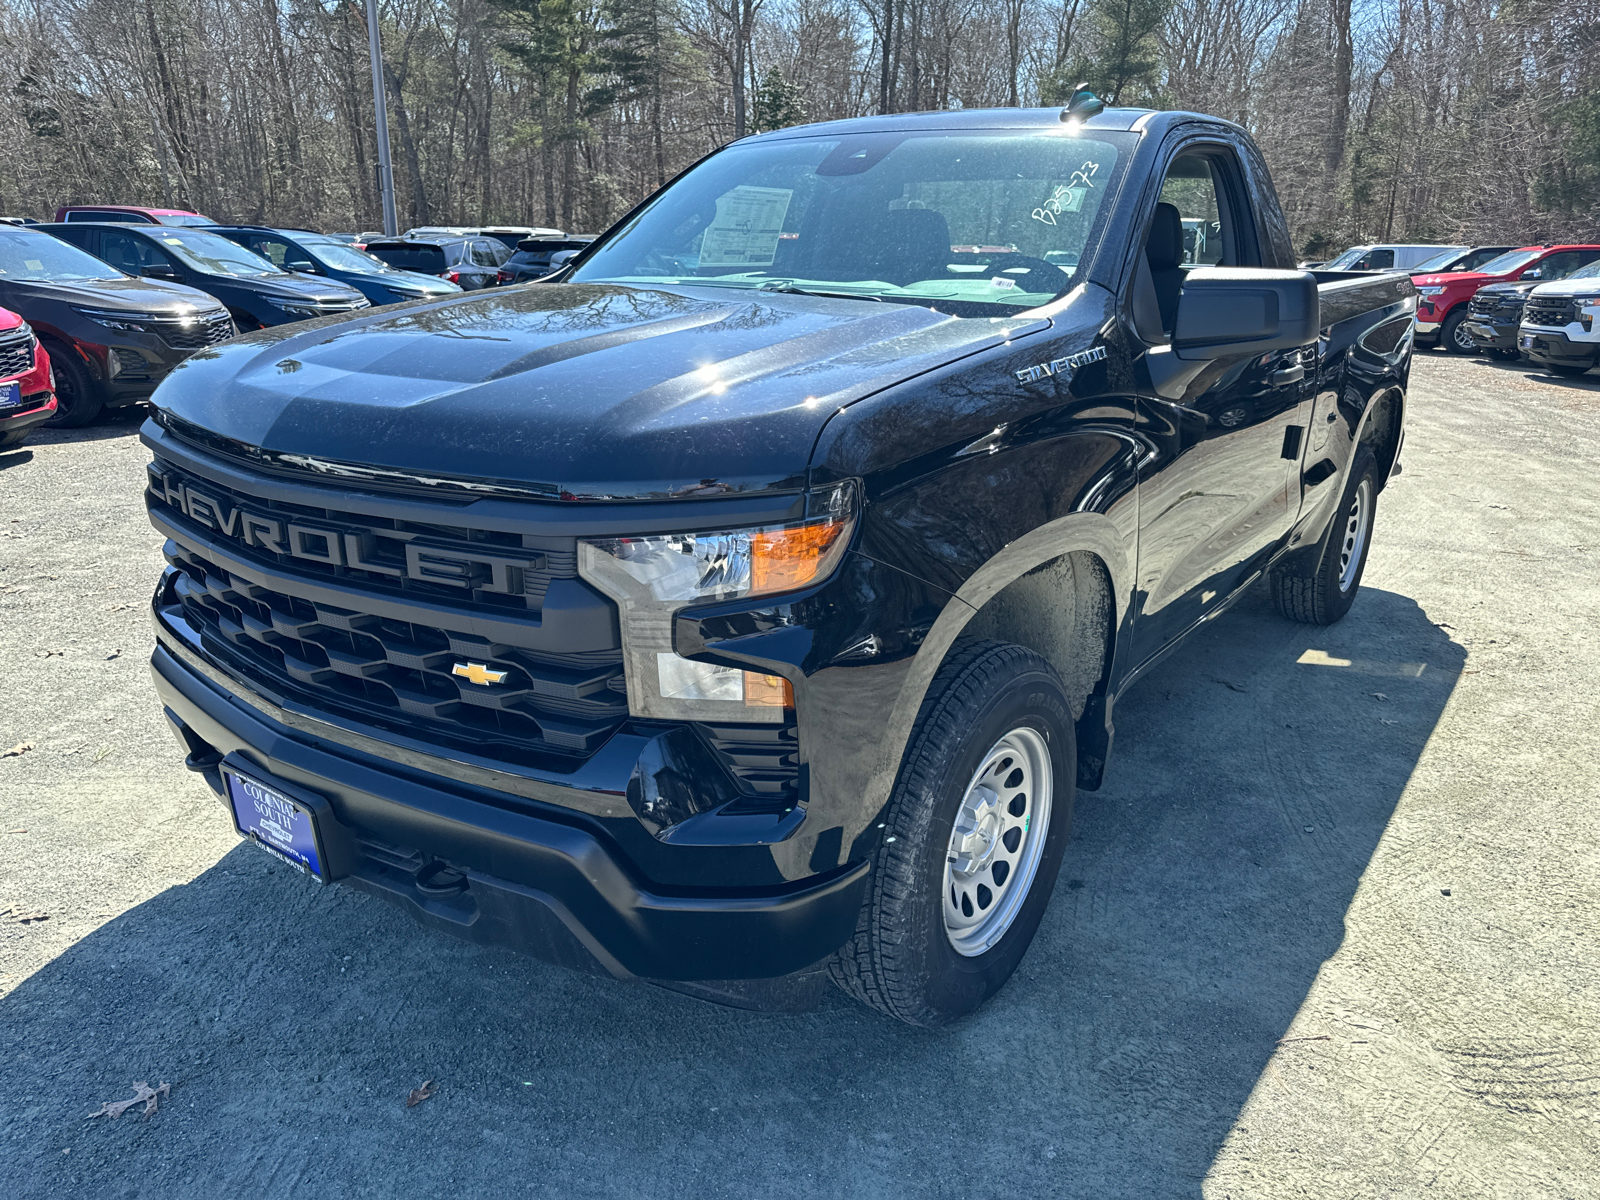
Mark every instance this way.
x=1382 y=433
x=1063 y=610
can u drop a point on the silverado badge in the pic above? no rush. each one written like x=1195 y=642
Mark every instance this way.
x=478 y=673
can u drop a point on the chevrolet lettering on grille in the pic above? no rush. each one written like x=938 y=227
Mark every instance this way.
x=344 y=546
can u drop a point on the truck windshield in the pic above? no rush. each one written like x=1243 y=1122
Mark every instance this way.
x=1509 y=261
x=972 y=224
x=1347 y=259
x=1446 y=260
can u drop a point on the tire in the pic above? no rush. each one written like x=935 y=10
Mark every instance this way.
x=10 y=441
x=78 y=395
x=927 y=948
x=1570 y=370
x=1322 y=595
x=243 y=322
x=1453 y=338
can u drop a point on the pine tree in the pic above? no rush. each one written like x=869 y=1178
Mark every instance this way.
x=777 y=104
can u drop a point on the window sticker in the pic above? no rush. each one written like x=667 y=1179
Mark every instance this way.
x=747 y=227
x=173 y=241
x=33 y=264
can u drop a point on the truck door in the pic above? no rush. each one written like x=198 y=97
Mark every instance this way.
x=1220 y=491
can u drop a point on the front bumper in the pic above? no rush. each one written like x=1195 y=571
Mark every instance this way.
x=1428 y=327
x=1555 y=346
x=29 y=417
x=538 y=880
x=1489 y=334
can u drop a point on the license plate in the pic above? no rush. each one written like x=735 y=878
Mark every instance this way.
x=281 y=825
x=10 y=395
x=1527 y=341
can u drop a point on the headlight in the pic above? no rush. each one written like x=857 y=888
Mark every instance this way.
x=652 y=578
x=132 y=322
x=1429 y=291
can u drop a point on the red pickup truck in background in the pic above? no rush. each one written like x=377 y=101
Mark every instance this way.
x=27 y=389
x=1444 y=298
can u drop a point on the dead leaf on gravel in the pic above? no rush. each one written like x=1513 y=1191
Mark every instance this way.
x=117 y=653
x=418 y=1095
x=143 y=1093
x=18 y=750
x=49 y=653
x=119 y=607
x=23 y=917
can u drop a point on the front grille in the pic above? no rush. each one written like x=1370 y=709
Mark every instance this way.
x=200 y=334
x=1494 y=305
x=16 y=356
x=383 y=547
x=385 y=670
x=1553 y=312
x=337 y=617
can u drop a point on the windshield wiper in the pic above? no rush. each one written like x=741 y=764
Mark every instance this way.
x=785 y=285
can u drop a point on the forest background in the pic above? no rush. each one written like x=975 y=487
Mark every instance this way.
x=1401 y=120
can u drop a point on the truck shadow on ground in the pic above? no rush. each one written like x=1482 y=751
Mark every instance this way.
x=1255 y=772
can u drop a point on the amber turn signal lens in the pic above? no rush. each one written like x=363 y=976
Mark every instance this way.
x=784 y=559
x=767 y=691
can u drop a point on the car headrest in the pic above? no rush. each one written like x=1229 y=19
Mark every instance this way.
x=1164 y=247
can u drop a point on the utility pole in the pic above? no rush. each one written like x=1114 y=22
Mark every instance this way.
x=391 y=224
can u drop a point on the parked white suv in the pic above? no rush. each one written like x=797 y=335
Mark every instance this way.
x=1560 y=327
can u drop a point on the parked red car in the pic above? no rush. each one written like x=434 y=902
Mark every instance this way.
x=27 y=388
x=131 y=214
x=1444 y=298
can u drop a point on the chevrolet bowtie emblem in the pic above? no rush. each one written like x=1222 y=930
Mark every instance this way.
x=478 y=673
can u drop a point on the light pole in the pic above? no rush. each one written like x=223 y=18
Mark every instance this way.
x=391 y=224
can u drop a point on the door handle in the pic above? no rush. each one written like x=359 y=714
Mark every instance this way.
x=1292 y=374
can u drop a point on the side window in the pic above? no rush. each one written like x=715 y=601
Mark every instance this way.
x=126 y=252
x=1559 y=266
x=482 y=256
x=1191 y=188
x=1479 y=257
x=1375 y=260
x=270 y=249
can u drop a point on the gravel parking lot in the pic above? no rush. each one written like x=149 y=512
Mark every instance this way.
x=1331 y=928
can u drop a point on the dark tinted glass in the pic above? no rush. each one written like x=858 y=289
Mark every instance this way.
x=430 y=260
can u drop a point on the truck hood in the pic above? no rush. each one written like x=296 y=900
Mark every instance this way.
x=573 y=391
x=1569 y=287
x=1454 y=277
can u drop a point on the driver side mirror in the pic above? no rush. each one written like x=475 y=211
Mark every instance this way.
x=301 y=268
x=1233 y=311
x=158 y=271
x=1535 y=273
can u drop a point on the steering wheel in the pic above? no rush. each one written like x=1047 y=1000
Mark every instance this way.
x=1053 y=276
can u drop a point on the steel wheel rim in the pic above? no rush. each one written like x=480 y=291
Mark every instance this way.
x=1355 y=535
x=997 y=841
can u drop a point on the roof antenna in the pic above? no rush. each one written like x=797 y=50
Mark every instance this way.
x=1083 y=105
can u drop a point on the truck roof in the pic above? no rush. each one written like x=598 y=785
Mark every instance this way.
x=1112 y=120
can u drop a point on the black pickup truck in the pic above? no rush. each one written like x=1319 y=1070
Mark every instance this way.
x=745 y=607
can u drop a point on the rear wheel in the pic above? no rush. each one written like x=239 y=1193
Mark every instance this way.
x=1324 y=593
x=972 y=839
x=78 y=395
x=1454 y=338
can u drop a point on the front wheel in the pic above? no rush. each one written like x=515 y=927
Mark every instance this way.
x=1454 y=338
x=1323 y=593
x=972 y=839
x=78 y=395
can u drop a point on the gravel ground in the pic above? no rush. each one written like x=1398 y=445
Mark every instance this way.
x=1329 y=930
